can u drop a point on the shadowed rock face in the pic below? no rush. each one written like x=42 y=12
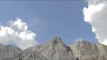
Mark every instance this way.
x=9 y=52
x=55 y=49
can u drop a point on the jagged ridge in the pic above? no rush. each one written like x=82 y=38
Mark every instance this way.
x=55 y=49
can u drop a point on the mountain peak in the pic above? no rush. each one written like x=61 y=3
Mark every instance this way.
x=56 y=40
x=55 y=49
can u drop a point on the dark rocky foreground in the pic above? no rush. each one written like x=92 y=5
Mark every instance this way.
x=55 y=49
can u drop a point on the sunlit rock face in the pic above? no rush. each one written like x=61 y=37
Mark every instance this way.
x=89 y=51
x=55 y=49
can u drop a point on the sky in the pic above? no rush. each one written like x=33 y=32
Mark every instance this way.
x=49 y=19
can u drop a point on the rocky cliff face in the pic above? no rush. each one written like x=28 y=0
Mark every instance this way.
x=55 y=49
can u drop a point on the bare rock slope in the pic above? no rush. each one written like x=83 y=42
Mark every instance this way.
x=55 y=49
x=52 y=50
x=9 y=52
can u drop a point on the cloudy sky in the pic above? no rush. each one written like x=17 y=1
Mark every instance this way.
x=47 y=19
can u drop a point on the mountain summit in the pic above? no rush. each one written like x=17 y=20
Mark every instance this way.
x=55 y=49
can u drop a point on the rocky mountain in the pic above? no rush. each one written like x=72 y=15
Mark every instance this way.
x=55 y=49
x=9 y=52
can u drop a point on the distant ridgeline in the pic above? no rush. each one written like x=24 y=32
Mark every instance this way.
x=55 y=49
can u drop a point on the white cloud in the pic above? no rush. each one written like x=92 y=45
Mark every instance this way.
x=18 y=34
x=96 y=15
